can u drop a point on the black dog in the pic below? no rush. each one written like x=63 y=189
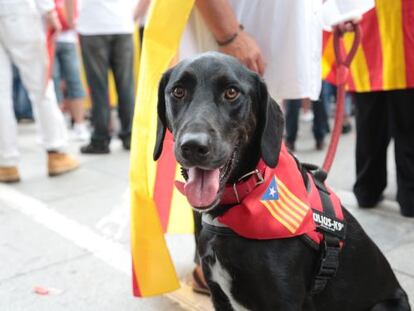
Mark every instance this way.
x=223 y=122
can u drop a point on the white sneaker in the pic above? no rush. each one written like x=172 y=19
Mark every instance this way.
x=81 y=132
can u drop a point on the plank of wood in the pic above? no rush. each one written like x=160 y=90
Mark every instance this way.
x=188 y=299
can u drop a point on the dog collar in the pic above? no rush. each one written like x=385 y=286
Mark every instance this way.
x=235 y=193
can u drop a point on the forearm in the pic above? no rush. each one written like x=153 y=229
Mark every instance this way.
x=219 y=17
x=141 y=8
x=70 y=11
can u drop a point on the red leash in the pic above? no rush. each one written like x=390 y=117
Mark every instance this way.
x=342 y=70
x=50 y=43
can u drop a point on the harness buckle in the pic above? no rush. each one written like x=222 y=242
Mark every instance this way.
x=260 y=180
x=329 y=263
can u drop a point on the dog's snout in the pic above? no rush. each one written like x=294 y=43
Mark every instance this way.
x=195 y=146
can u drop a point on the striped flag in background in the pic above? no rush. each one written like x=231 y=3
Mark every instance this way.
x=284 y=206
x=384 y=60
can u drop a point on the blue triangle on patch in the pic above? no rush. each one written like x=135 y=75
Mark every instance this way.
x=271 y=191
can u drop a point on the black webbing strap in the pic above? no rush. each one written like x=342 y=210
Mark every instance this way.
x=328 y=263
x=333 y=232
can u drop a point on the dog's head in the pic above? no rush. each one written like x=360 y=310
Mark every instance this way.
x=222 y=120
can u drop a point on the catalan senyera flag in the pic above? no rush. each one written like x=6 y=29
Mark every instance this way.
x=384 y=60
x=155 y=206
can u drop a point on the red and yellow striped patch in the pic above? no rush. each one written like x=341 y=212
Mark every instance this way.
x=287 y=209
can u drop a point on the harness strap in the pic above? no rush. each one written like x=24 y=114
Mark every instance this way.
x=331 y=247
x=328 y=263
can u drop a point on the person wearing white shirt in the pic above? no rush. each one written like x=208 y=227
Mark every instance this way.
x=106 y=28
x=23 y=43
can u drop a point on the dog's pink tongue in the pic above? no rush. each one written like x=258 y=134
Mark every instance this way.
x=202 y=186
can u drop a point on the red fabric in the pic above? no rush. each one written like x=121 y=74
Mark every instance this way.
x=252 y=218
x=371 y=45
x=280 y=207
x=407 y=24
x=164 y=181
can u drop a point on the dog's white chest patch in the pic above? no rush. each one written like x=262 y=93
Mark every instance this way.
x=223 y=279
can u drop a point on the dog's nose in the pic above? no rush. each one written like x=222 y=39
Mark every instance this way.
x=195 y=146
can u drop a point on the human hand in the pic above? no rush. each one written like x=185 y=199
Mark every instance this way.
x=246 y=50
x=52 y=21
x=348 y=26
x=141 y=9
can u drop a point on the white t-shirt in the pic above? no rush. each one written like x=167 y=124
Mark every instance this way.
x=289 y=34
x=22 y=6
x=99 y=17
x=68 y=36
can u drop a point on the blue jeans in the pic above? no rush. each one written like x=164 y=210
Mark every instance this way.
x=320 y=119
x=329 y=95
x=66 y=68
x=21 y=101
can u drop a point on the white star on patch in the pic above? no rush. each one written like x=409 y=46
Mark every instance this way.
x=272 y=191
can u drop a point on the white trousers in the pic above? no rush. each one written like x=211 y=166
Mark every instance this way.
x=23 y=43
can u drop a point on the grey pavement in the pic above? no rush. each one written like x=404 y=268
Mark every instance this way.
x=35 y=252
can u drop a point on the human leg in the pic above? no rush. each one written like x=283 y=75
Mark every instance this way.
x=74 y=93
x=347 y=126
x=57 y=77
x=9 y=153
x=122 y=59
x=402 y=120
x=95 y=54
x=21 y=102
x=292 y=108
x=25 y=41
x=372 y=139
x=320 y=123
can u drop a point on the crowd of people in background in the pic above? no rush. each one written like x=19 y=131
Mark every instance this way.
x=40 y=46
x=69 y=35
x=44 y=44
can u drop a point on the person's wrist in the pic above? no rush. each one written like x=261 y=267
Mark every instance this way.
x=229 y=38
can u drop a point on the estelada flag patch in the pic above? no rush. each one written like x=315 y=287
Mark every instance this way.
x=284 y=206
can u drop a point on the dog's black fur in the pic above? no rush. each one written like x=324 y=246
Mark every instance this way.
x=197 y=103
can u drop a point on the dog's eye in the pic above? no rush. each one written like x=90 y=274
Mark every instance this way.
x=179 y=92
x=231 y=93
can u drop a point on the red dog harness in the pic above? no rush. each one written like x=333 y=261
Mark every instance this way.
x=288 y=201
x=282 y=203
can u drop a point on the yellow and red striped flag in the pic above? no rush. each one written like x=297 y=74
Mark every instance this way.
x=284 y=206
x=152 y=183
x=384 y=58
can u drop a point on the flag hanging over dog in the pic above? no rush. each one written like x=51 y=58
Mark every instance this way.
x=152 y=183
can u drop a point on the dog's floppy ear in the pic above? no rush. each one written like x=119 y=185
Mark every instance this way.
x=162 y=120
x=271 y=118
